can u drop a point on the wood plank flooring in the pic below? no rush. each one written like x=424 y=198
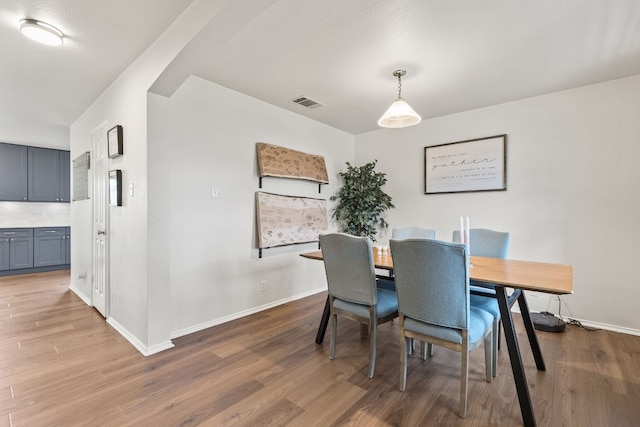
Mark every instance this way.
x=61 y=364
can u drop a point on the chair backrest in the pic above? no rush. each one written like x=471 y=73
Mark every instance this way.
x=432 y=281
x=413 y=232
x=489 y=243
x=348 y=262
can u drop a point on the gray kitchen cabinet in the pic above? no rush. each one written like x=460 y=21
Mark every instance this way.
x=34 y=174
x=46 y=175
x=49 y=246
x=33 y=250
x=65 y=176
x=13 y=172
x=67 y=244
x=19 y=242
x=4 y=253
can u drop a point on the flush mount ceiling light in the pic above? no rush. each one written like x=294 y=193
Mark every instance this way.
x=400 y=114
x=41 y=32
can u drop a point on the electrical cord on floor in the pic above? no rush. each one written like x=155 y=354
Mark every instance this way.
x=571 y=320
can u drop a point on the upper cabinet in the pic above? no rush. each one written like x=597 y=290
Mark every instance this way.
x=65 y=176
x=34 y=174
x=13 y=173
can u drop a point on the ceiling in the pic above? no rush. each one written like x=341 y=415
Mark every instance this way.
x=44 y=89
x=459 y=54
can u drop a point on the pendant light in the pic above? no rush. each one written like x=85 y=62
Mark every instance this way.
x=41 y=32
x=399 y=114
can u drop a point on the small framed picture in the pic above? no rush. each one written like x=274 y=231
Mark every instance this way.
x=114 y=141
x=115 y=187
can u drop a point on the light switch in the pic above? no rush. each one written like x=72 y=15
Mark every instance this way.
x=131 y=190
x=216 y=193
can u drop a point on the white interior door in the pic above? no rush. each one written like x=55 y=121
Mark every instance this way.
x=99 y=285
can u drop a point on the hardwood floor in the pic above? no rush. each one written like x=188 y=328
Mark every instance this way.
x=61 y=364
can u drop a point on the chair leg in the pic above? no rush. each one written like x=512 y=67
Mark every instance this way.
x=426 y=349
x=489 y=355
x=495 y=340
x=364 y=330
x=372 y=346
x=464 y=374
x=403 y=361
x=334 y=333
x=403 y=354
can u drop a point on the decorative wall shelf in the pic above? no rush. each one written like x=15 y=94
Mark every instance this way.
x=282 y=162
x=288 y=220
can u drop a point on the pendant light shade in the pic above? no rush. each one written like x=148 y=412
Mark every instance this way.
x=399 y=114
x=41 y=32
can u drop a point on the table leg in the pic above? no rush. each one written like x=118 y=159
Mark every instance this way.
x=531 y=333
x=324 y=321
x=526 y=408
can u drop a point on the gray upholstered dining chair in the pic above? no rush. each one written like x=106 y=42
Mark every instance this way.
x=493 y=244
x=405 y=233
x=413 y=233
x=432 y=281
x=353 y=293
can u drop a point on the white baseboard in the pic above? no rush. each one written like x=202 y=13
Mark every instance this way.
x=596 y=325
x=146 y=351
x=80 y=295
x=607 y=327
x=234 y=316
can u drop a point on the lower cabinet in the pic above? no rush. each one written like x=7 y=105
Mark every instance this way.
x=29 y=250
x=67 y=245
x=4 y=253
x=17 y=248
x=49 y=246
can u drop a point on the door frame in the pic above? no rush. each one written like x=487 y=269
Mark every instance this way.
x=99 y=135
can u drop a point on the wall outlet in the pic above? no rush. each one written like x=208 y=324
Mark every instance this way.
x=263 y=286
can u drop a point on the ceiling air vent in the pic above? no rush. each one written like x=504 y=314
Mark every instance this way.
x=307 y=102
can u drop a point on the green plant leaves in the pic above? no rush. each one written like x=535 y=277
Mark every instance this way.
x=361 y=201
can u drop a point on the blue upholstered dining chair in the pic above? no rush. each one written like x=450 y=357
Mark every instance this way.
x=405 y=233
x=353 y=293
x=412 y=233
x=432 y=281
x=493 y=244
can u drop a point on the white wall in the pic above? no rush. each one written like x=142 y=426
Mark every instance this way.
x=181 y=261
x=204 y=136
x=134 y=302
x=572 y=193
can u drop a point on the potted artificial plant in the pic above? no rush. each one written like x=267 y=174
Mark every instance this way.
x=361 y=201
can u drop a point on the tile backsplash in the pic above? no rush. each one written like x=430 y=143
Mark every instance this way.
x=25 y=214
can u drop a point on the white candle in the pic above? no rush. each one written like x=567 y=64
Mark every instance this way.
x=467 y=237
x=461 y=231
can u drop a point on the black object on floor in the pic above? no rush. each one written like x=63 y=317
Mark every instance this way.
x=547 y=322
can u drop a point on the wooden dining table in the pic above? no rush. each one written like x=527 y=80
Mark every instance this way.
x=556 y=279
